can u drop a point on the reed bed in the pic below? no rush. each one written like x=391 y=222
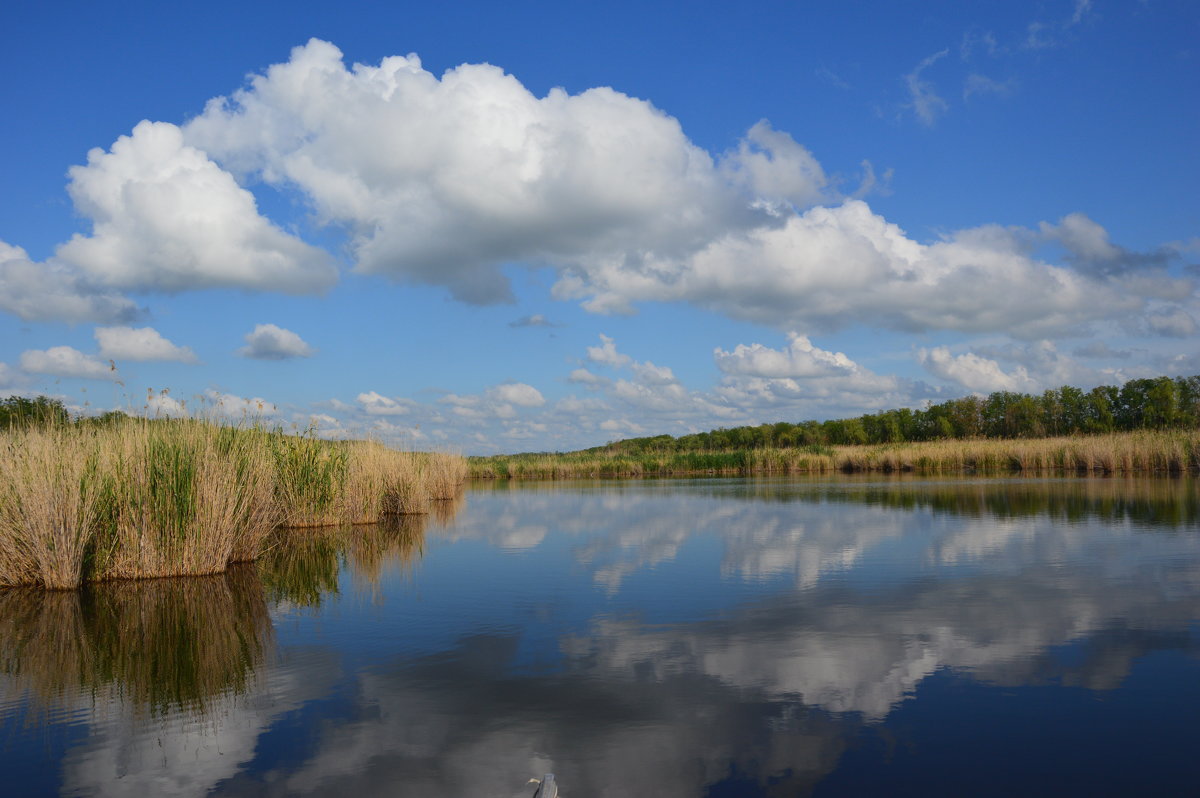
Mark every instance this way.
x=1142 y=452
x=161 y=498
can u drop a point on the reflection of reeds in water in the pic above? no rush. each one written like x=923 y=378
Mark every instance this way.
x=158 y=645
x=397 y=541
x=444 y=511
x=302 y=566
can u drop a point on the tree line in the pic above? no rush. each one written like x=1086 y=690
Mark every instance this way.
x=1152 y=403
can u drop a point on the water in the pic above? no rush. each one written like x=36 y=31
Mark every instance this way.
x=659 y=638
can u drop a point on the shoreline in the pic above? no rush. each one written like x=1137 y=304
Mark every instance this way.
x=1140 y=452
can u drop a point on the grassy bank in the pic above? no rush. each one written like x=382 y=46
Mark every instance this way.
x=171 y=498
x=1173 y=451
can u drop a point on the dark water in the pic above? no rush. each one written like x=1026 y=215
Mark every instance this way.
x=657 y=638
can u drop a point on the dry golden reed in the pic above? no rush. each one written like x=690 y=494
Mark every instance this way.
x=143 y=498
x=49 y=488
x=1173 y=451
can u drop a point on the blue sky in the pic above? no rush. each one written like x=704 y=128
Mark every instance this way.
x=509 y=227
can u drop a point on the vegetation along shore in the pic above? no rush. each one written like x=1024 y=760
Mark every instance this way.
x=125 y=497
x=1143 y=426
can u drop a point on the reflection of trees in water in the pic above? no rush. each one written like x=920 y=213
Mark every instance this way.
x=1157 y=501
x=301 y=566
x=157 y=645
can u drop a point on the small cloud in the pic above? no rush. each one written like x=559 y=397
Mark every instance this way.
x=606 y=354
x=269 y=342
x=832 y=79
x=1082 y=8
x=650 y=374
x=142 y=344
x=871 y=184
x=924 y=101
x=972 y=41
x=535 y=320
x=585 y=377
x=518 y=393
x=374 y=404
x=234 y=406
x=981 y=84
x=65 y=361
x=799 y=360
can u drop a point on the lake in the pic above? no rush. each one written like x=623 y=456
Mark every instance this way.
x=703 y=637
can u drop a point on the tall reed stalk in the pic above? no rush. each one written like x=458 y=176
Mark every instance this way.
x=49 y=487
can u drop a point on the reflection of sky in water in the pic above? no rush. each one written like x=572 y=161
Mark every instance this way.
x=712 y=637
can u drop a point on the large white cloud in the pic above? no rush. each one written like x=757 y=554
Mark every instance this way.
x=167 y=218
x=66 y=361
x=443 y=179
x=831 y=267
x=142 y=343
x=53 y=291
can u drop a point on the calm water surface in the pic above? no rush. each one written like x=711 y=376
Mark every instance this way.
x=656 y=638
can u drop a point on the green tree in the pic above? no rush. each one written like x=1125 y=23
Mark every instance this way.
x=41 y=411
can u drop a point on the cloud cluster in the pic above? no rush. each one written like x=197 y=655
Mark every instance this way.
x=445 y=180
x=271 y=342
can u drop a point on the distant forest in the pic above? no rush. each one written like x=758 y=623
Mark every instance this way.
x=1158 y=403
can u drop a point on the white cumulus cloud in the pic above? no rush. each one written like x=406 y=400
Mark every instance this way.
x=799 y=359
x=166 y=217
x=973 y=372
x=831 y=267
x=270 y=342
x=606 y=354
x=443 y=179
x=518 y=393
x=53 y=291
x=66 y=361
x=142 y=343
x=375 y=404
